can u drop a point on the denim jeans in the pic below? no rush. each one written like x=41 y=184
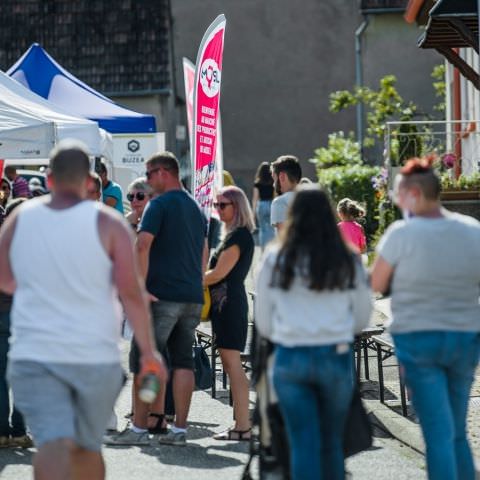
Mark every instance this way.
x=314 y=388
x=439 y=367
x=265 y=229
x=15 y=428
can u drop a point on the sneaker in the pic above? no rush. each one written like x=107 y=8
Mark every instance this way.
x=178 y=439
x=4 y=441
x=127 y=437
x=23 y=441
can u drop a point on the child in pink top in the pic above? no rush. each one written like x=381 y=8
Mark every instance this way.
x=352 y=232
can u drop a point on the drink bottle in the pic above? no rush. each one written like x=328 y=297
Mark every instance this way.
x=149 y=388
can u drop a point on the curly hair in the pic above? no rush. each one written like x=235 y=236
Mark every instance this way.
x=311 y=245
x=350 y=209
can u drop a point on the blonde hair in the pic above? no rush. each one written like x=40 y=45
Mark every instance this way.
x=243 y=212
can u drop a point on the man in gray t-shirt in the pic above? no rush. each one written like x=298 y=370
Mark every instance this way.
x=286 y=173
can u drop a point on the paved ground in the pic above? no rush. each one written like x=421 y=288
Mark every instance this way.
x=205 y=458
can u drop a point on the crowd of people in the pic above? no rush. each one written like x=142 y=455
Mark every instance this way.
x=312 y=296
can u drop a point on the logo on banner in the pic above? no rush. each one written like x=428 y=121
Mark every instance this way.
x=210 y=77
x=133 y=145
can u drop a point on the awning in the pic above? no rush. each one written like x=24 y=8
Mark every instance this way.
x=453 y=24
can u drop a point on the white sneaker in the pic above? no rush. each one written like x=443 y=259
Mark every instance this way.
x=128 y=437
x=178 y=439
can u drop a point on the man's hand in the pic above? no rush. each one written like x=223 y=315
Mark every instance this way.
x=153 y=363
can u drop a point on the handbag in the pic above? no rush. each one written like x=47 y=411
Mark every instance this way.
x=207 y=304
x=357 y=435
x=202 y=368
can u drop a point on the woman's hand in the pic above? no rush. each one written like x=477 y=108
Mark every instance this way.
x=226 y=261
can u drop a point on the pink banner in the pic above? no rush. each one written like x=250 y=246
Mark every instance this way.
x=189 y=79
x=2 y=164
x=206 y=107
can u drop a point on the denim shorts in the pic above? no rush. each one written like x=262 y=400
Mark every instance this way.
x=174 y=327
x=66 y=401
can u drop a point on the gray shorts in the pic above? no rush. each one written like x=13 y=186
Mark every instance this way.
x=174 y=327
x=66 y=400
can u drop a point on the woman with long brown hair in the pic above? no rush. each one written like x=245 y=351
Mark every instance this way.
x=312 y=297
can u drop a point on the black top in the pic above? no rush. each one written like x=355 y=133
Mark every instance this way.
x=265 y=191
x=244 y=240
x=229 y=311
x=5 y=302
x=175 y=262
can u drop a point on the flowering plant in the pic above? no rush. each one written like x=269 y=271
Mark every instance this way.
x=380 y=184
x=449 y=160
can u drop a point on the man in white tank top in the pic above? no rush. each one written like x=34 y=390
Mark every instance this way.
x=64 y=362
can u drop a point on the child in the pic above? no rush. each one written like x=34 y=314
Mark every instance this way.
x=352 y=232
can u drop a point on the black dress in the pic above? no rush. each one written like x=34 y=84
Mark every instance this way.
x=229 y=311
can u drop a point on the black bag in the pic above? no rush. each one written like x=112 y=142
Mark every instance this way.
x=203 y=369
x=357 y=435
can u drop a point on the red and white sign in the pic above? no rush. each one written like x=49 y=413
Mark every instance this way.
x=2 y=164
x=206 y=108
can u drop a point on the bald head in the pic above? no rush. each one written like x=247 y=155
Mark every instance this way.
x=69 y=163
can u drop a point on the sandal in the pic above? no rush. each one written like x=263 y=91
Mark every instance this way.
x=158 y=429
x=233 y=435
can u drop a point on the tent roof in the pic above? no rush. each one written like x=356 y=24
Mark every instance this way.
x=39 y=72
x=20 y=107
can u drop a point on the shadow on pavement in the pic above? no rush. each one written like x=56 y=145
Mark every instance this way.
x=15 y=456
x=192 y=456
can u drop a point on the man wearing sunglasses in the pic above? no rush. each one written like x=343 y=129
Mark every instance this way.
x=171 y=247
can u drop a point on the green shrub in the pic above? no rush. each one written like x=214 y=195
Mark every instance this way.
x=355 y=182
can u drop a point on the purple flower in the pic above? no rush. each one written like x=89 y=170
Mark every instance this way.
x=449 y=160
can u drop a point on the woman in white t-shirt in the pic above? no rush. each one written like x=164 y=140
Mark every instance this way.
x=312 y=296
x=431 y=263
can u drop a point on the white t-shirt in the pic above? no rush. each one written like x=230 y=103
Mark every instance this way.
x=436 y=279
x=279 y=209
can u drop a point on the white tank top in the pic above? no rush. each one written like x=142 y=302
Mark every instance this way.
x=65 y=308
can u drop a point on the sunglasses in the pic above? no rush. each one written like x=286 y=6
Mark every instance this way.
x=222 y=205
x=139 y=196
x=149 y=173
x=5 y=187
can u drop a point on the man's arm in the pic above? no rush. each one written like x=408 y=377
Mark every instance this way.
x=7 y=280
x=143 y=245
x=119 y=239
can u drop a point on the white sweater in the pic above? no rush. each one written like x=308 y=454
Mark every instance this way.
x=304 y=317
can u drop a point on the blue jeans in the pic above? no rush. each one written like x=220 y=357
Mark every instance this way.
x=314 y=388
x=439 y=367
x=265 y=229
x=15 y=428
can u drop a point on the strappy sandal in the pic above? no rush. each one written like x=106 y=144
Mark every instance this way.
x=233 y=435
x=158 y=429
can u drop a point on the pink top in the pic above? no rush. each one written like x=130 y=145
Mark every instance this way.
x=352 y=232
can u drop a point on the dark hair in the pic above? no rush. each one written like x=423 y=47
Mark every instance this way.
x=419 y=172
x=166 y=160
x=69 y=163
x=311 y=245
x=350 y=209
x=9 y=169
x=290 y=165
x=101 y=167
x=264 y=174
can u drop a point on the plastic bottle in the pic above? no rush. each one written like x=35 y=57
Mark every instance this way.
x=149 y=389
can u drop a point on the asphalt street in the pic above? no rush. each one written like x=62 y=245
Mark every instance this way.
x=205 y=458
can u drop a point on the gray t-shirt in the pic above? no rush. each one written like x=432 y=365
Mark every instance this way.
x=279 y=208
x=436 y=279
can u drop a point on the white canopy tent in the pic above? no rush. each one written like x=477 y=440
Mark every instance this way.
x=31 y=125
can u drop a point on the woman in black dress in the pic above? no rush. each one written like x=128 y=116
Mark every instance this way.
x=228 y=268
